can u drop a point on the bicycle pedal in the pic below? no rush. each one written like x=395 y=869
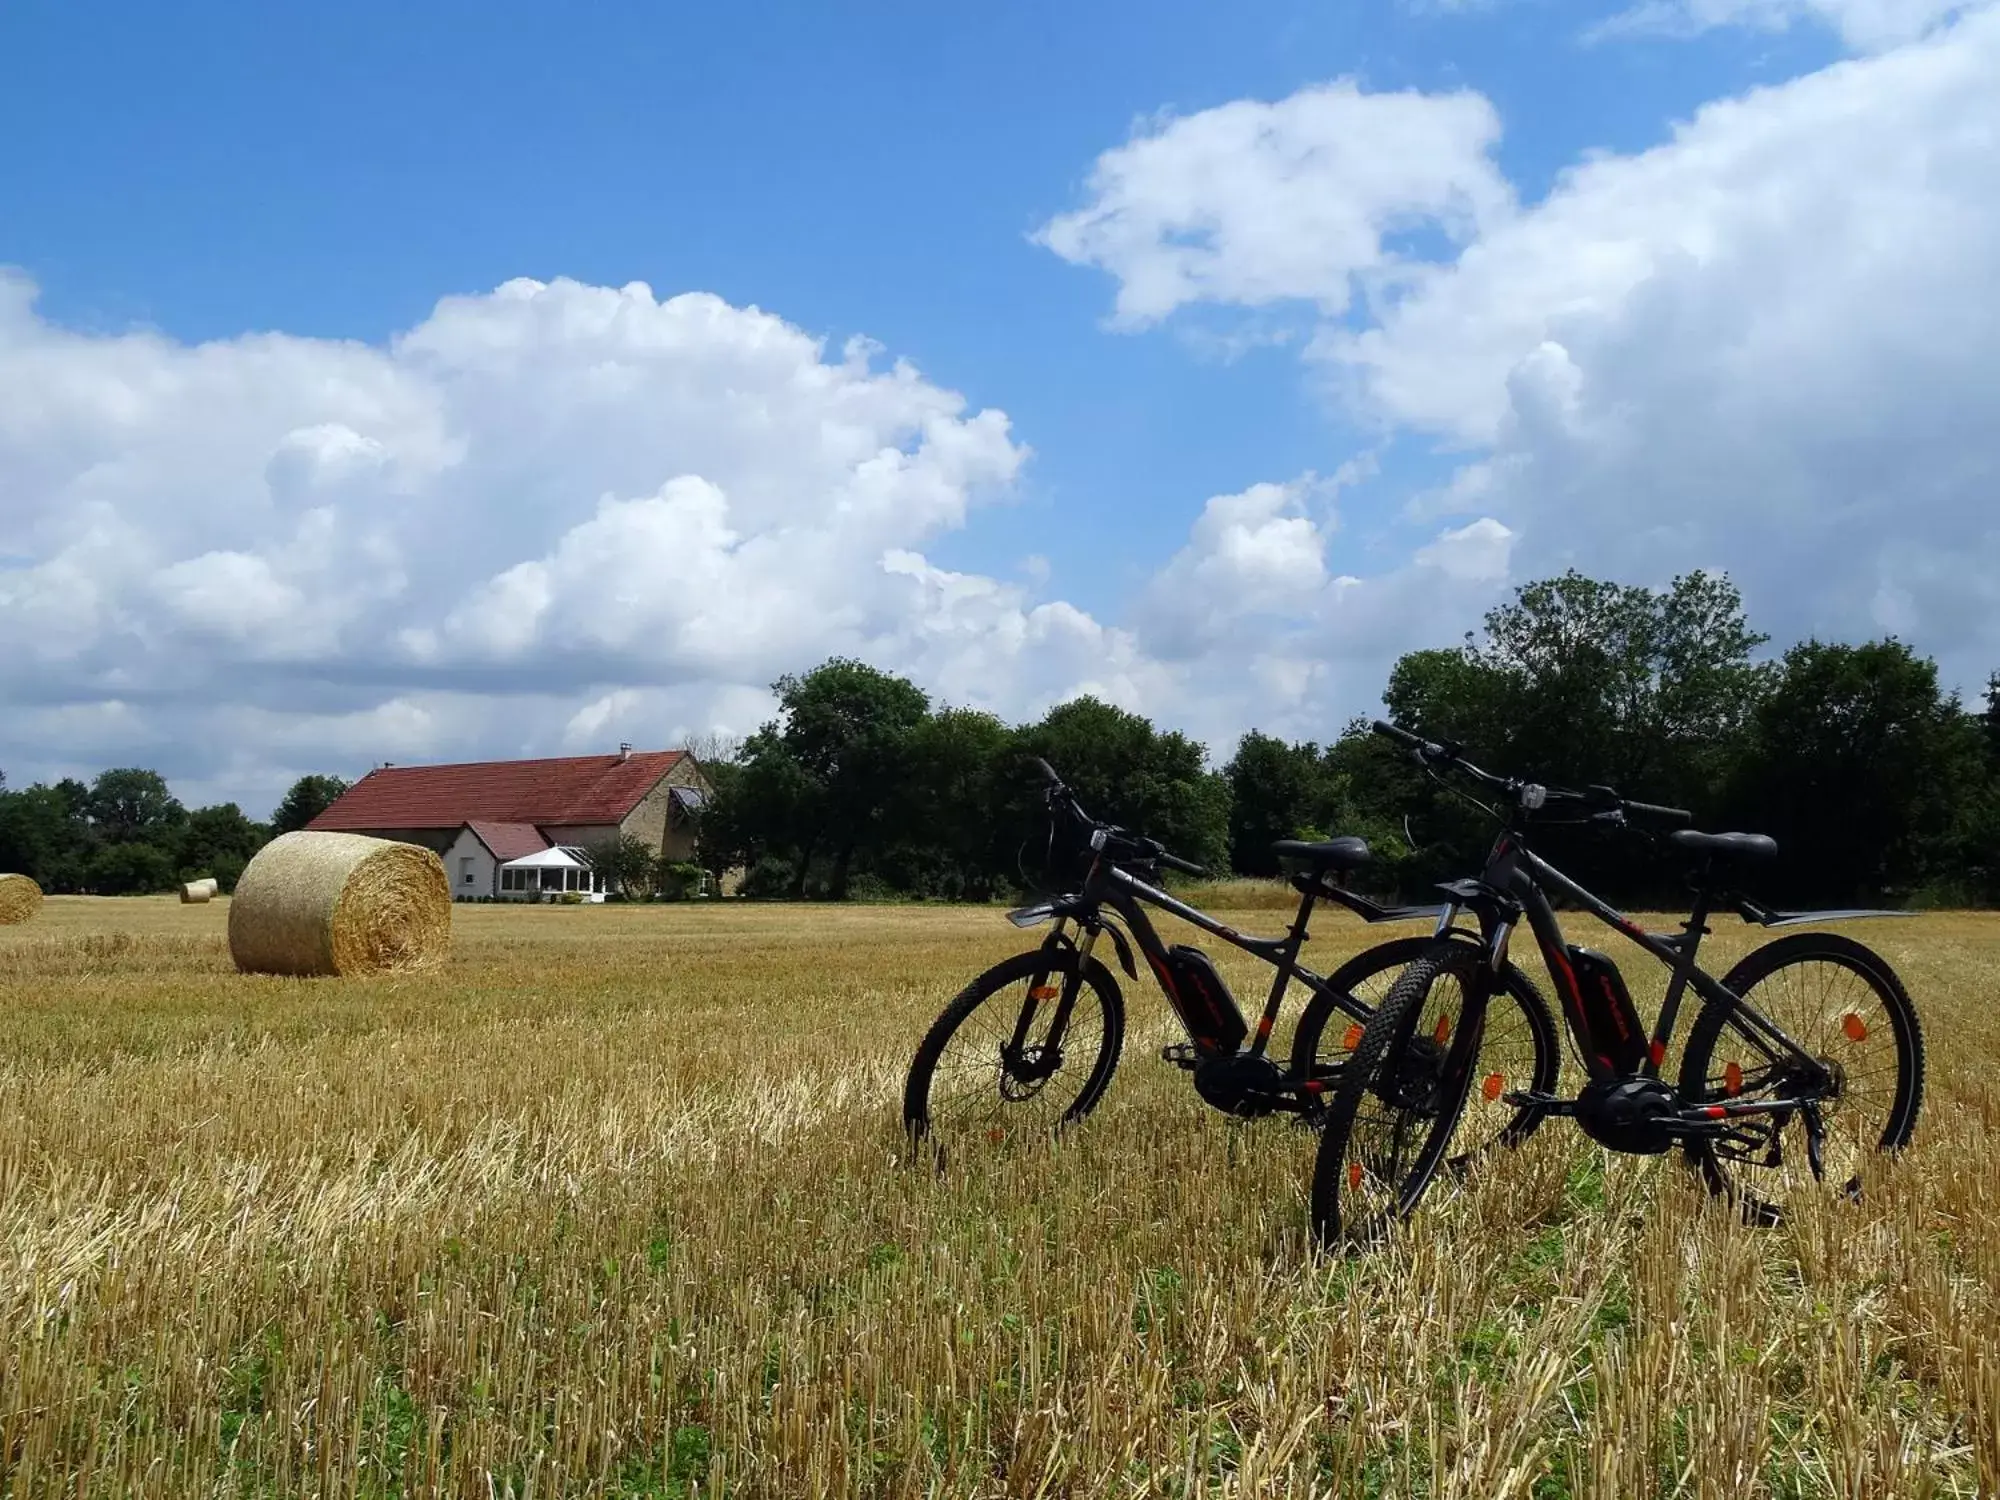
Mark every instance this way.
x=1181 y=1055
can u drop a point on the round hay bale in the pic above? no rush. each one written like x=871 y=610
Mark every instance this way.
x=196 y=891
x=20 y=899
x=211 y=885
x=339 y=903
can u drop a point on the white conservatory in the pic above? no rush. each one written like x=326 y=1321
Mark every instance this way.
x=549 y=875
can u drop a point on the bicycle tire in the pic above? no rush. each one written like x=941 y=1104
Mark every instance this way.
x=1544 y=1065
x=1390 y=1066
x=1764 y=1188
x=1095 y=984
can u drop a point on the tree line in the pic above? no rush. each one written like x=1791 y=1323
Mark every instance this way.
x=1879 y=785
x=125 y=833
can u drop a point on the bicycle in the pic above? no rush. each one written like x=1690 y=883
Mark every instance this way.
x=1057 y=1006
x=1845 y=1068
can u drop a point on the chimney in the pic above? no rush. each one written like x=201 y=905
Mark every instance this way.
x=624 y=752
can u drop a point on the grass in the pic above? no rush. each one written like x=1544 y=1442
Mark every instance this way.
x=615 y=1205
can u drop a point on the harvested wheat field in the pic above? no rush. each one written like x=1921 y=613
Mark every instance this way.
x=612 y=1203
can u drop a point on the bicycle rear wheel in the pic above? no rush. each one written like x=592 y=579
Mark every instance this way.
x=1399 y=1098
x=1520 y=1051
x=980 y=1078
x=1843 y=1003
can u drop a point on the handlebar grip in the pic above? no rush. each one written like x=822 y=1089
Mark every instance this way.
x=1185 y=866
x=1663 y=814
x=1389 y=731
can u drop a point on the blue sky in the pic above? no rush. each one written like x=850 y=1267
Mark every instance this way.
x=213 y=171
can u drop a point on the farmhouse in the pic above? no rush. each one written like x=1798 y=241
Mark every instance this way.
x=517 y=829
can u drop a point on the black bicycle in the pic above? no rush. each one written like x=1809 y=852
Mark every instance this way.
x=1804 y=1061
x=1032 y=1043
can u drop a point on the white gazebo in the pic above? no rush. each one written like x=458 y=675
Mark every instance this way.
x=547 y=874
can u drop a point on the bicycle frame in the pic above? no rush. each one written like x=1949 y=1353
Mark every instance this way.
x=1519 y=879
x=1108 y=885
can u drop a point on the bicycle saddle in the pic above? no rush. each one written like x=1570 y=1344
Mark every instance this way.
x=1330 y=854
x=1728 y=845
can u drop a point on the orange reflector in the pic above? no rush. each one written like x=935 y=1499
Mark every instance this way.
x=1855 y=1027
x=1492 y=1086
x=1354 y=1176
x=1352 y=1038
x=1659 y=1053
x=1443 y=1032
x=996 y=1135
x=1715 y=1112
x=1044 y=992
x=1732 y=1079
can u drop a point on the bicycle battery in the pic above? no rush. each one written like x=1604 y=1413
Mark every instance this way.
x=1204 y=1001
x=1617 y=1035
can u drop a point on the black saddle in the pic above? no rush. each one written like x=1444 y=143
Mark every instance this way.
x=1329 y=854
x=1725 y=845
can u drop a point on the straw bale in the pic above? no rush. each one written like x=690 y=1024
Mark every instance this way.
x=197 y=892
x=20 y=899
x=339 y=903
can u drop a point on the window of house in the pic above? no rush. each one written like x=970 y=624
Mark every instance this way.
x=465 y=869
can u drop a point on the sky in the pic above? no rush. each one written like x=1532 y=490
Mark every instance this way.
x=389 y=383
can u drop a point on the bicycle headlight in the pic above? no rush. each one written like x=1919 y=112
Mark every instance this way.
x=1533 y=796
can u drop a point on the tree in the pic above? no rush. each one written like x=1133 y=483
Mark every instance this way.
x=308 y=798
x=131 y=868
x=1276 y=791
x=627 y=862
x=1863 y=770
x=1127 y=772
x=132 y=805
x=219 y=841
x=43 y=836
x=846 y=729
x=948 y=837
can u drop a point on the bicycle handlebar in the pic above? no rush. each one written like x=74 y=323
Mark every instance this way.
x=1431 y=753
x=1139 y=846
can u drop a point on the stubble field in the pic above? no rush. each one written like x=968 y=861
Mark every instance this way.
x=615 y=1204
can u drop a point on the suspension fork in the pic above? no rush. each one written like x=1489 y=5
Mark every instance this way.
x=1040 y=990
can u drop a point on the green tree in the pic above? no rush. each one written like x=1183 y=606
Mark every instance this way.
x=949 y=836
x=845 y=728
x=219 y=841
x=131 y=868
x=43 y=835
x=1863 y=770
x=1127 y=772
x=132 y=805
x=627 y=862
x=308 y=798
x=1276 y=791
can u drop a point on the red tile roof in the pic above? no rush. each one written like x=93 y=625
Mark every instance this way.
x=509 y=840
x=575 y=789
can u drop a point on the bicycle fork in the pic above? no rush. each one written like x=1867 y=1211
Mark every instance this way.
x=1016 y=1050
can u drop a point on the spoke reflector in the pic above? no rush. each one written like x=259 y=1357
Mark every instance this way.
x=1354 y=1176
x=1352 y=1038
x=1443 y=1032
x=1044 y=992
x=1855 y=1027
x=1492 y=1087
x=1732 y=1079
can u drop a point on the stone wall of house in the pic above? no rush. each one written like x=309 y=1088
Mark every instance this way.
x=653 y=821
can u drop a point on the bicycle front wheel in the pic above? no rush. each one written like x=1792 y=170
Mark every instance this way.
x=992 y=1068
x=1520 y=1051
x=1845 y=1006
x=1399 y=1098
